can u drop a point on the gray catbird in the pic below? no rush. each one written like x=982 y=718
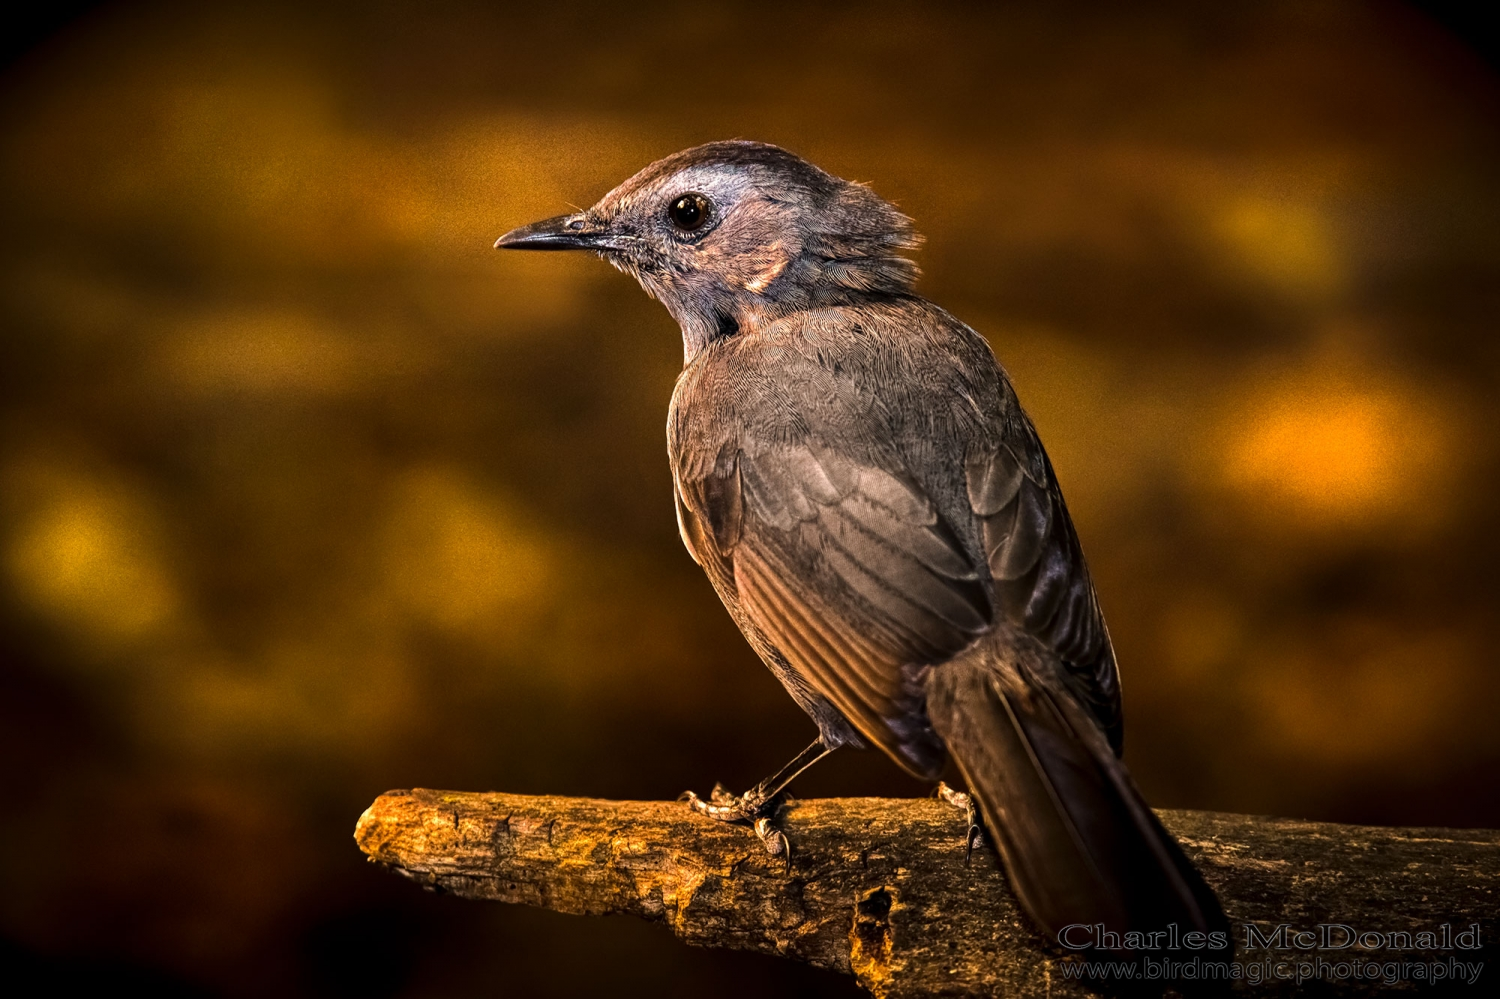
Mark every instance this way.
x=855 y=475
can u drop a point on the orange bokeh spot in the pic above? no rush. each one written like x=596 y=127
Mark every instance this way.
x=1331 y=451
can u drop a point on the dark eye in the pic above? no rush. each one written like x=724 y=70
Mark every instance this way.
x=689 y=212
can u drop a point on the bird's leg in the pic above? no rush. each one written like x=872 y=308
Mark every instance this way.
x=757 y=806
x=960 y=799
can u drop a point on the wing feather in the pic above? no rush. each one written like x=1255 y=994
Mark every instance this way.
x=1021 y=531
x=786 y=620
x=1041 y=580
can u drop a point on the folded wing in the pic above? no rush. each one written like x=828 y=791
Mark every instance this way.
x=850 y=571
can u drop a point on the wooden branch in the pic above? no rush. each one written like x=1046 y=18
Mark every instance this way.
x=879 y=888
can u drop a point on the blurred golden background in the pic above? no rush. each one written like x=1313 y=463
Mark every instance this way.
x=306 y=493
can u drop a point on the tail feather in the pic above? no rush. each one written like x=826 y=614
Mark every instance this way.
x=1079 y=843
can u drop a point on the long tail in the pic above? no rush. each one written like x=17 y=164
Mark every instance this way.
x=1079 y=843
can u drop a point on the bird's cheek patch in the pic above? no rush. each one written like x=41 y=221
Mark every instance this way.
x=772 y=270
x=757 y=270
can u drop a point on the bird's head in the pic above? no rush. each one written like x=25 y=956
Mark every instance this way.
x=734 y=233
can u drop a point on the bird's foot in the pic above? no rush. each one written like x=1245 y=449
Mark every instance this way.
x=727 y=807
x=753 y=808
x=960 y=799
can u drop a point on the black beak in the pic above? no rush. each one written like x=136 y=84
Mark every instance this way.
x=566 y=232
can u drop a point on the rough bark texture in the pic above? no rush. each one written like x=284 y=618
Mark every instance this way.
x=879 y=888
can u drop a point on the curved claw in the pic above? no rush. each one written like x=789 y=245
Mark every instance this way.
x=975 y=835
x=958 y=799
x=774 y=840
